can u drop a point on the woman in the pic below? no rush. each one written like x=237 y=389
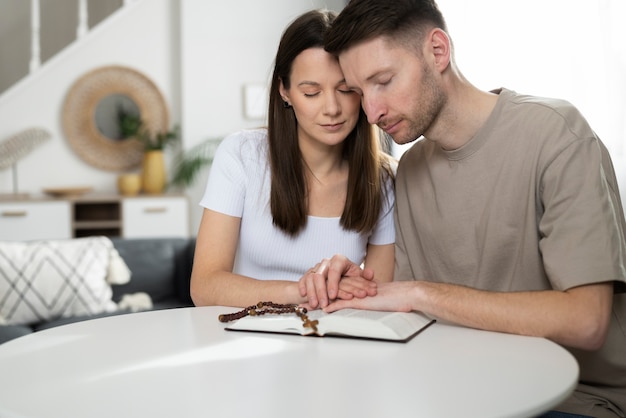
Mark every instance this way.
x=313 y=184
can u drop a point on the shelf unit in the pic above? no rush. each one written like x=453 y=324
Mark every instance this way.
x=97 y=217
x=112 y=215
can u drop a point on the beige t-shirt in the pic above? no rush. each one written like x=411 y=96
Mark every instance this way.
x=530 y=203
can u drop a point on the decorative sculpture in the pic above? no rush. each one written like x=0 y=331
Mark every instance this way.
x=18 y=146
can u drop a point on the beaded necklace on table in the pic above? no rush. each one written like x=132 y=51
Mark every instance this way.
x=263 y=308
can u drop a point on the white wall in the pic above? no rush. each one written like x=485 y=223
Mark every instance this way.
x=569 y=49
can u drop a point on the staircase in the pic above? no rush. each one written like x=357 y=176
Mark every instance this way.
x=33 y=34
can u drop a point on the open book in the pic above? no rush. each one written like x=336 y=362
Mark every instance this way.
x=391 y=326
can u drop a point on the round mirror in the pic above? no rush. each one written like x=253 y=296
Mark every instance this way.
x=94 y=107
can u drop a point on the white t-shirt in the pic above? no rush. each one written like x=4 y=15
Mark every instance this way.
x=239 y=185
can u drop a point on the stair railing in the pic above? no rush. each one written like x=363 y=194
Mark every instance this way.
x=82 y=29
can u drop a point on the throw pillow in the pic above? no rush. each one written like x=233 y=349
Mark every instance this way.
x=44 y=280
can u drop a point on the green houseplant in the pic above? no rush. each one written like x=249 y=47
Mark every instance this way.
x=190 y=163
x=157 y=141
x=131 y=126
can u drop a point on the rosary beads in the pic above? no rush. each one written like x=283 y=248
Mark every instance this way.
x=263 y=308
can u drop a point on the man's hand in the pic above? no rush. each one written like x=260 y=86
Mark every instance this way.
x=393 y=296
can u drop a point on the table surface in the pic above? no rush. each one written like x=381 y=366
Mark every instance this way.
x=182 y=363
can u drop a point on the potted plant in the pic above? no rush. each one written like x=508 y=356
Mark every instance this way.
x=128 y=122
x=190 y=163
x=153 y=173
x=157 y=141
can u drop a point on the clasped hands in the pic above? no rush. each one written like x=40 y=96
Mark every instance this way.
x=336 y=278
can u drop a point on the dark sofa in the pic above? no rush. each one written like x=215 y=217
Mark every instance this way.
x=160 y=267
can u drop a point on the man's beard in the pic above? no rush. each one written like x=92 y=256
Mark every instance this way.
x=425 y=110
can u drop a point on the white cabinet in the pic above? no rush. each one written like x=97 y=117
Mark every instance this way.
x=95 y=214
x=155 y=217
x=25 y=221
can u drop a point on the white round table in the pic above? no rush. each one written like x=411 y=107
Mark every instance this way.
x=182 y=363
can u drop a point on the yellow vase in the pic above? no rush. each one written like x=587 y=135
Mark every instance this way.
x=129 y=184
x=153 y=176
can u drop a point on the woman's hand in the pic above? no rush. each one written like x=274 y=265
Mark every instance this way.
x=336 y=278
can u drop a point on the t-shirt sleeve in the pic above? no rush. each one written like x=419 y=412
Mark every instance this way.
x=226 y=188
x=385 y=232
x=582 y=238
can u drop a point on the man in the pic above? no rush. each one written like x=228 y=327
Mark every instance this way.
x=508 y=216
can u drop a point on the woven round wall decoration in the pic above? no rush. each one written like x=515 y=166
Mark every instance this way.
x=79 y=116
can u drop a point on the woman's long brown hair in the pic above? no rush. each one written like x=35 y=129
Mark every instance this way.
x=368 y=165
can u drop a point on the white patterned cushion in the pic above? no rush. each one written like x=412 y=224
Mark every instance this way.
x=43 y=280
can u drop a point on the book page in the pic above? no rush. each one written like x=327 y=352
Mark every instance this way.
x=290 y=324
x=374 y=324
